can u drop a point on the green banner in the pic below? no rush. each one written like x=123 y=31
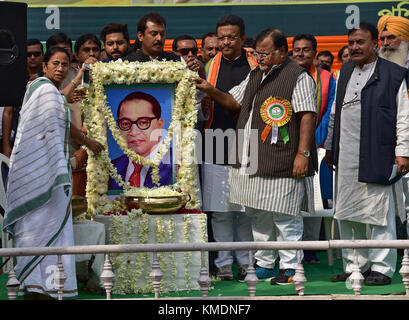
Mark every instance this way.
x=319 y=18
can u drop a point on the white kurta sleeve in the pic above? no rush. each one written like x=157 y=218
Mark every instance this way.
x=328 y=141
x=402 y=122
x=238 y=91
x=200 y=115
x=304 y=97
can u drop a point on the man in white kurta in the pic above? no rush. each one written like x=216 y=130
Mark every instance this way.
x=273 y=202
x=360 y=204
x=394 y=38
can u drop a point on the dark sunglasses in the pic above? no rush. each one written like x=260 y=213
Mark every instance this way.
x=35 y=53
x=185 y=51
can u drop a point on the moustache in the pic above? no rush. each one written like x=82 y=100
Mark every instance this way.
x=157 y=43
x=388 y=47
x=356 y=52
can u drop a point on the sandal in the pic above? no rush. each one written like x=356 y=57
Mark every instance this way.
x=377 y=279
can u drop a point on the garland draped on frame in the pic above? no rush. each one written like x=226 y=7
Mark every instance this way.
x=98 y=116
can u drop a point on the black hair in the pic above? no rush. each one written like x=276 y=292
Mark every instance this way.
x=249 y=43
x=279 y=38
x=367 y=26
x=231 y=20
x=207 y=35
x=153 y=17
x=52 y=51
x=33 y=42
x=306 y=36
x=58 y=38
x=114 y=27
x=326 y=53
x=180 y=38
x=137 y=44
x=341 y=52
x=156 y=108
x=84 y=38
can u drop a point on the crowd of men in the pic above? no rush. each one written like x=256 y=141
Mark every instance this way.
x=354 y=121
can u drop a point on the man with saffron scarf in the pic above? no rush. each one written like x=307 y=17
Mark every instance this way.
x=304 y=52
x=226 y=70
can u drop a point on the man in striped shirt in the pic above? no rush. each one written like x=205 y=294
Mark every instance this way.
x=275 y=181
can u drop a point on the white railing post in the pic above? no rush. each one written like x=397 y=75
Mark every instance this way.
x=251 y=279
x=108 y=276
x=60 y=278
x=299 y=277
x=12 y=284
x=356 y=278
x=156 y=274
x=404 y=270
x=204 y=279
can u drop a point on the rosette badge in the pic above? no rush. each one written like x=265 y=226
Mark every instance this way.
x=276 y=113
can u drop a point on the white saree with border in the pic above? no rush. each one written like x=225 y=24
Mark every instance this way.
x=38 y=210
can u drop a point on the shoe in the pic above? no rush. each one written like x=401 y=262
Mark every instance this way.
x=266 y=274
x=344 y=276
x=242 y=273
x=310 y=257
x=376 y=278
x=284 y=277
x=225 y=272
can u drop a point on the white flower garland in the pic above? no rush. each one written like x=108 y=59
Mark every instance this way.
x=97 y=116
x=129 y=267
x=188 y=254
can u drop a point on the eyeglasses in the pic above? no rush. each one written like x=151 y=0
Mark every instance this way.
x=264 y=55
x=142 y=123
x=185 y=51
x=57 y=64
x=230 y=38
x=35 y=53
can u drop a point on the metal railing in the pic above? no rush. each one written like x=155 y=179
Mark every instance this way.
x=204 y=280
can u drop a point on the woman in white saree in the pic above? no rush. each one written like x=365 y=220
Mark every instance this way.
x=38 y=210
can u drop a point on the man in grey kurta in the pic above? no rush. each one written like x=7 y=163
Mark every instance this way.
x=369 y=122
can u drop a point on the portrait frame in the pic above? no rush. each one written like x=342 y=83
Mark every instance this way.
x=164 y=94
x=181 y=131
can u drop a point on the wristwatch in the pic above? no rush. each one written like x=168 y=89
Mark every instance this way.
x=305 y=153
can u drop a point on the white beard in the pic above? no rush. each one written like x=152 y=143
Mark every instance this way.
x=398 y=56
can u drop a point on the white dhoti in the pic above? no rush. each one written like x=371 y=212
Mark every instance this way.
x=271 y=226
x=229 y=221
x=359 y=205
x=381 y=260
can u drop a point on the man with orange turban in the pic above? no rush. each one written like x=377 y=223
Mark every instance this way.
x=394 y=36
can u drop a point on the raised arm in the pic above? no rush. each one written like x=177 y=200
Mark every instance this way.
x=224 y=99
